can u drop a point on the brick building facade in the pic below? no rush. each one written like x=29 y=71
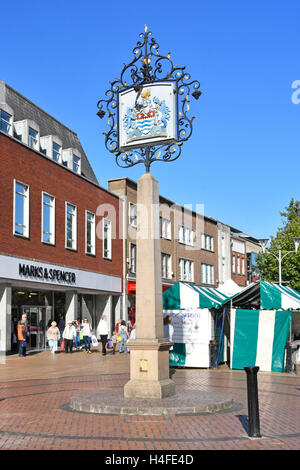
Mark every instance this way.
x=60 y=246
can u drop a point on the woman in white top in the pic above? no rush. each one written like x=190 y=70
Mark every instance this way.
x=103 y=333
x=87 y=335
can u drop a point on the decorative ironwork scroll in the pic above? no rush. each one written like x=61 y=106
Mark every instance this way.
x=148 y=68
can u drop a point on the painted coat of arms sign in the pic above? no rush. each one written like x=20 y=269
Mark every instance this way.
x=147 y=115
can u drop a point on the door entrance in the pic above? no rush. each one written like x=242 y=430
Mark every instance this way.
x=38 y=318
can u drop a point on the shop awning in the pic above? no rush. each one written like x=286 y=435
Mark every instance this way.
x=267 y=295
x=184 y=296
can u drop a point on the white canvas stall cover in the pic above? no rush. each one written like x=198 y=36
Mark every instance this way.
x=192 y=333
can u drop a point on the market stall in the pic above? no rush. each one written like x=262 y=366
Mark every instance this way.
x=195 y=321
x=261 y=324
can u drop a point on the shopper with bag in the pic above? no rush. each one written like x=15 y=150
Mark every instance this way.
x=104 y=333
x=53 y=336
x=87 y=335
x=68 y=336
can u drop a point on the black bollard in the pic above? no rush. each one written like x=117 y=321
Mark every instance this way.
x=253 y=409
x=213 y=353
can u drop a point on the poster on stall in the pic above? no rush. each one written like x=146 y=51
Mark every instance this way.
x=192 y=333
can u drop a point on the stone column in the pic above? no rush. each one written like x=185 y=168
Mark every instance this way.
x=149 y=352
x=5 y=318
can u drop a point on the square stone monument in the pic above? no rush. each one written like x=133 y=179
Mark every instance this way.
x=149 y=352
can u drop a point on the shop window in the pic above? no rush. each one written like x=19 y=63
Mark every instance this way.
x=90 y=233
x=21 y=209
x=71 y=226
x=48 y=218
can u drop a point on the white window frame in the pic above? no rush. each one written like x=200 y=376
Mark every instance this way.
x=165 y=228
x=243 y=266
x=33 y=141
x=58 y=152
x=7 y=123
x=107 y=255
x=186 y=270
x=76 y=164
x=132 y=214
x=132 y=259
x=74 y=227
x=166 y=266
x=207 y=273
x=185 y=235
x=52 y=219
x=238 y=265
x=233 y=264
x=207 y=242
x=26 y=209
x=93 y=234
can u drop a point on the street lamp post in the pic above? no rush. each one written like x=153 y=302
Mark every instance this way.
x=263 y=242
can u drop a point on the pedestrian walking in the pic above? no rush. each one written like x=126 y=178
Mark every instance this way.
x=78 y=329
x=104 y=333
x=114 y=341
x=22 y=331
x=61 y=326
x=53 y=336
x=69 y=334
x=87 y=334
x=123 y=332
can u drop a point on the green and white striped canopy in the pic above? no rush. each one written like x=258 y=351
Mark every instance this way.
x=258 y=338
x=185 y=296
x=267 y=295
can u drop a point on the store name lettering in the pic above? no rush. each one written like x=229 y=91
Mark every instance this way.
x=45 y=273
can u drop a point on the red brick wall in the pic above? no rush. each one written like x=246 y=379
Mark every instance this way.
x=41 y=174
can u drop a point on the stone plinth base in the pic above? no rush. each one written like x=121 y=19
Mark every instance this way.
x=185 y=402
x=149 y=388
x=149 y=369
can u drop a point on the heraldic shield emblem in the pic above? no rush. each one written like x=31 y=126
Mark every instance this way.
x=146 y=116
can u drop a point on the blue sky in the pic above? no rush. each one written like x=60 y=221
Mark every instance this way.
x=242 y=161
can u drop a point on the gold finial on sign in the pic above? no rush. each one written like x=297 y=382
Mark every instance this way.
x=146 y=29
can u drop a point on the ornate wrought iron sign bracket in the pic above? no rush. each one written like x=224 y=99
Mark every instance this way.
x=147 y=107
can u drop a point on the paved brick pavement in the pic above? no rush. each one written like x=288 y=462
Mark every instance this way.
x=34 y=408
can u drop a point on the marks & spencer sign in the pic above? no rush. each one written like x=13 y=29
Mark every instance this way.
x=39 y=272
